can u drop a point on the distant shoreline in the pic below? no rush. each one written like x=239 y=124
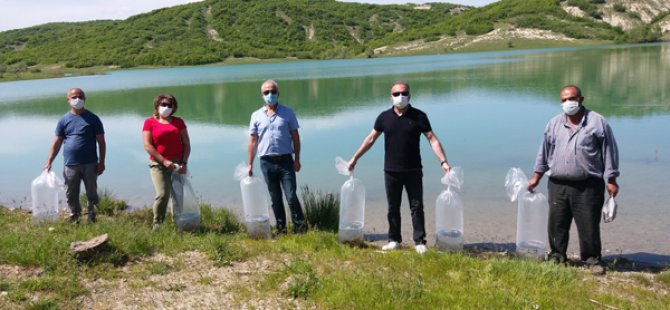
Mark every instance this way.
x=50 y=71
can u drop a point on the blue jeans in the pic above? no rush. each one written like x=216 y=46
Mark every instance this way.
x=73 y=176
x=279 y=175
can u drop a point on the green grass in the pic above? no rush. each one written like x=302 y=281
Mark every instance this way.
x=313 y=269
x=322 y=210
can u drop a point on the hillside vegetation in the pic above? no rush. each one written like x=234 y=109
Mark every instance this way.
x=214 y=31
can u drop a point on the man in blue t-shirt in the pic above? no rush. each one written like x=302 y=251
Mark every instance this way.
x=78 y=131
x=402 y=126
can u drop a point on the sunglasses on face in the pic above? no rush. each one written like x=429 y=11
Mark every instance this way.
x=396 y=94
x=167 y=104
x=266 y=92
x=77 y=97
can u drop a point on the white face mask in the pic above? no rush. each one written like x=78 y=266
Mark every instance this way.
x=77 y=103
x=570 y=107
x=401 y=101
x=164 y=111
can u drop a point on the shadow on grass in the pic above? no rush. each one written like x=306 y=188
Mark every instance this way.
x=638 y=262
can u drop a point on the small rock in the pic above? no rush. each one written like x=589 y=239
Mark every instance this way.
x=85 y=249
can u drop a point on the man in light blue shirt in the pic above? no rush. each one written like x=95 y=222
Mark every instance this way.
x=274 y=136
x=578 y=153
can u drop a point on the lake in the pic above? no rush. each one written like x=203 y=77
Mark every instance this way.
x=489 y=110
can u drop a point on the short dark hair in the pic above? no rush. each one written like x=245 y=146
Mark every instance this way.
x=579 y=91
x=161 y=97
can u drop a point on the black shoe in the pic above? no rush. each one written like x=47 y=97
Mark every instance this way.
x=557 y=259
x=73 y=219
x=92 y=217
x=595 y=266
x=279 y=232
x=300 y=230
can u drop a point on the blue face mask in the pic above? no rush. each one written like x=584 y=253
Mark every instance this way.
x=270 y=98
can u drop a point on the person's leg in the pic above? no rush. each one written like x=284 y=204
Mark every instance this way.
x=560 y=219
x=273 y=181
x=414 y=185
x=587 y=208
x=160 y=176
x=393 y=197
x=288 y=183
x=72 y=179
x=90 y=177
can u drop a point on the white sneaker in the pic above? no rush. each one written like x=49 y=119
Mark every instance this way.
x=420 y=248
x=392 y=245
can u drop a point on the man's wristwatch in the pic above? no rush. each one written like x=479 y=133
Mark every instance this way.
x=442 y=163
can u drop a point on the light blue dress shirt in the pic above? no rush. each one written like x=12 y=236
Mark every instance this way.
x=274 y=133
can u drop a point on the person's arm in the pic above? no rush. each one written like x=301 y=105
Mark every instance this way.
x=534 y=181
x=541 y=159
x=367 y=143
x=611 y=158
x=186 y=141
x=251 y=152
x=295 y=137
x=55 y=148
x=102 y=150
x=436 y=146
x=149 y=147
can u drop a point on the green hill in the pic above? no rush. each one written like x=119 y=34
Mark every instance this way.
x=214 y=31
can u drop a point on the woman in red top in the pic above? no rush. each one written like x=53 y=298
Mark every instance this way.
x=166 y=140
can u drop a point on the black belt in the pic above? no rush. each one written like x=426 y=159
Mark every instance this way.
x=276 y=157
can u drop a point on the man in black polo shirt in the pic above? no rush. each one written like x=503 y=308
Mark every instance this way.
x=402 y=126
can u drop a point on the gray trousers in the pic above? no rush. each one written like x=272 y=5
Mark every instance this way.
x=73 y=175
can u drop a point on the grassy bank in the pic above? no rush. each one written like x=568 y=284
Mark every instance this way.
x=59 y=71
x=220 y=267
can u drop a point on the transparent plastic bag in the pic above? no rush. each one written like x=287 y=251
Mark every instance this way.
x=532 y=215
x=449 y=212
x=609 y=210
x=44 y=192
x=515 y=183
x=352 y=205
x=342 y=166
x=185 y=205
x=256 y=203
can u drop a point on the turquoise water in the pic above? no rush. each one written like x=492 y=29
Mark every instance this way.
x=488 y=109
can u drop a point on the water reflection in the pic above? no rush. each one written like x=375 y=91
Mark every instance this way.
x=622 y=81
x=488 y=109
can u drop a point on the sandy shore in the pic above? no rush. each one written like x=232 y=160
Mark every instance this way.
x=494 y=227
x=636 y=234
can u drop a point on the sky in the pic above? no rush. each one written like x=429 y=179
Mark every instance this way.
x=25 y=13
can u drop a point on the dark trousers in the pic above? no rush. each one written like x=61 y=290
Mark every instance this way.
x=583 y=201
x=279 y=174
x=413 y=184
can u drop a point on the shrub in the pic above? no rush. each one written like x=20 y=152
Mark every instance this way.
x=107 y=205
x=618 y=7
x=322 y=210
x=634 y=15
x=218 y=220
